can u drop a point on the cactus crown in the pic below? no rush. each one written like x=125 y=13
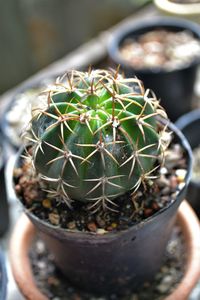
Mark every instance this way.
x=97 y=138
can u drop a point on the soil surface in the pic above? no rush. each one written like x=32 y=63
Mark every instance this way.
x=160 y=48
x=148 y=199
x=51 y=282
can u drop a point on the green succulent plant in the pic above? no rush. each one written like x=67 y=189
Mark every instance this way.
x=97 y=138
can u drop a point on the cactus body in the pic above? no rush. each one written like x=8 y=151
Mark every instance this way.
x=97 y=138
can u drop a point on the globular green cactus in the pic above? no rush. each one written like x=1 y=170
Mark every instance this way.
x=97 y=138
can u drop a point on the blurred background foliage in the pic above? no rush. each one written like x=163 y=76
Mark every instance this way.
x=34 y=33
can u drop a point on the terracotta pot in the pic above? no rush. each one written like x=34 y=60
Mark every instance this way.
x=24 y=233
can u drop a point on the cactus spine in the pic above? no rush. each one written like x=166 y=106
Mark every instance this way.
x=97 y=138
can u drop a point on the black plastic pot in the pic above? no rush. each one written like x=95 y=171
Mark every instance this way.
x=189 y=124
x=4 y=207
x=175 y=88
x=113 y=261
x=3 y=278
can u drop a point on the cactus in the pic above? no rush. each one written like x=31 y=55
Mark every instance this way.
x=97 y=138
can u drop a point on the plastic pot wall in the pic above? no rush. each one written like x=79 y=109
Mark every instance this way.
x=189 y=124
x=3 y=278
x=174 y=88
x=4 y=207
x=114 y=261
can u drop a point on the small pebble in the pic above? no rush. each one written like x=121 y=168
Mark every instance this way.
x=155 y=206
x=54 y=218
x=40 y=247
x=30 y=194
x=46 y=203
x=181 y=173
x=114 y=225
x=163 y=171
x=165 y=191
x=173 y=182
x=163 y=181
x=53 y=281
x=92 y=227
x=148 y=212
x=71 y=225
x=101 y=231
x=109 y=228
x=100 y=221
x=17 y=172
x=41 y=265
x=168 y=279
x=181 y=185
x=162 y=288
x=18 y=188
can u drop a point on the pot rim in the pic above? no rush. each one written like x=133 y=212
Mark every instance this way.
x=2 y=151
x=24 y=232
x=184 y=122
x=178 y=8
x=10 y=187
x=188 y=118
x=122 y=32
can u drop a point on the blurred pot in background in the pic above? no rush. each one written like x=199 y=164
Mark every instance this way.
x=18 y=112
x=164 y=53
x=189 y=124
x=186 y=9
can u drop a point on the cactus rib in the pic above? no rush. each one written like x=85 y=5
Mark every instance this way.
x=97 y=138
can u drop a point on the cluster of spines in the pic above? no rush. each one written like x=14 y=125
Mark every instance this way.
x=84 y=93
